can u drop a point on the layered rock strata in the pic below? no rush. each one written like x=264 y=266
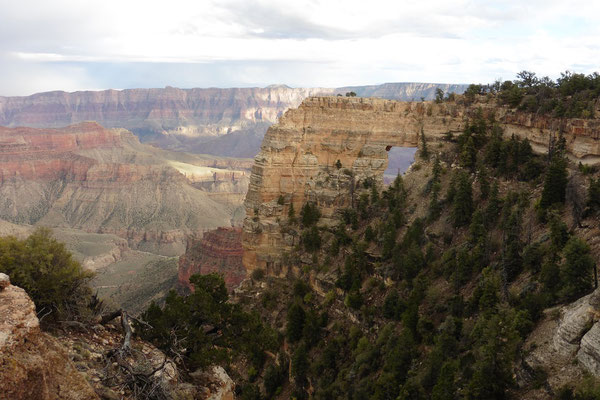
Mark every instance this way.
x=577 y=334
x=323 y=150
x=105 y=181
x=224 y=122
x=33 y=365
x=219 y=251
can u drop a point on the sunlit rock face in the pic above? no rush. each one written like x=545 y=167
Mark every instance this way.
x=322 y=151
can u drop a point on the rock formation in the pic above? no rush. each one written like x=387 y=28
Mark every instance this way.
x=33 y=365
x=322 y=151
x=578 y=332
x=98 y=180
x=219 y=251
x=226 y=122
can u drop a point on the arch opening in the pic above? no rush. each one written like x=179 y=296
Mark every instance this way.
x=399 y=159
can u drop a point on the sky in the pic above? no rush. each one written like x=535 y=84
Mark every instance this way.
x=90 y=45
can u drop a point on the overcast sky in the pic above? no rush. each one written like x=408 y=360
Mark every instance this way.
x=88 y=44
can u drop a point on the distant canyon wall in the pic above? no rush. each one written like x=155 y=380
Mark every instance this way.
x=105 y=181
x=322 y=152
x=224 y=122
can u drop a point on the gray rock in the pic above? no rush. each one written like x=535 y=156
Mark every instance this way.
x=4 y=281
x=578 y=318
x=589 y=351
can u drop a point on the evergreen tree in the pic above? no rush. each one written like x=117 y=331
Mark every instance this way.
x=477 y=229
x=550 y=276
x=576 y=272
x=558 y=232
x=439 y=95
x=555 y=183
x=493 y=208
x=462 y=205
x=468 y=154
x=445 y=388
x=310 y=214
x=295 y=322
x=300 y=365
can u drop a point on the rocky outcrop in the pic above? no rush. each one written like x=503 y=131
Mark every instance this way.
x=33 y=365
x=98 y=180
x=577 y=319
x=324 y=150
x=219 y=251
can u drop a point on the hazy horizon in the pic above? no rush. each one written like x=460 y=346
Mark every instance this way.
x=70 y=46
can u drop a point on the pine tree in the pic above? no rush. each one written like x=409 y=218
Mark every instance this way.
x=493 y=208
x=445 y=388
x=477 y=230
x=576 y=272
x=468 y=154
x=555 y=183
x=295 y=322
x=462 y=205
x=292 y=214
x=300 y=364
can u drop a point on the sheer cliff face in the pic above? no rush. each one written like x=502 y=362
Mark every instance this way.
x=172 y=111
x=219 y=251
x=98 y=180
x=298 y=158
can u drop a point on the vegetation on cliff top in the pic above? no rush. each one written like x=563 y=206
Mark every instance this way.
x=570 y=96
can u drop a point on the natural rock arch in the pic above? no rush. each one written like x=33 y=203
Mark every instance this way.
x=298 y=158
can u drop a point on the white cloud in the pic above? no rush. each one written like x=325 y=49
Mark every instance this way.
x=337 y=42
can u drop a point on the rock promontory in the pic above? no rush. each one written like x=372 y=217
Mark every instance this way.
x=33 y=365
x=322 y=151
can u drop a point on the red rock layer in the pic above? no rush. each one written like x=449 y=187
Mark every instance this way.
x=49 y=154
x=220 y=251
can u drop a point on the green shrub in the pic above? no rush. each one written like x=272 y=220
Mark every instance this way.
x=42 y=266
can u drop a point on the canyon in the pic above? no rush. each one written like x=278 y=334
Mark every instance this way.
x=223 y=122
x=324 y=150
x=105 y=181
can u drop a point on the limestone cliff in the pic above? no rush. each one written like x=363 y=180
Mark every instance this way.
x=226 y=122
x=219 y=251
x=298 y=161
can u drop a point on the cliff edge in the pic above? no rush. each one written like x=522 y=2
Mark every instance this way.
x=33 y=365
